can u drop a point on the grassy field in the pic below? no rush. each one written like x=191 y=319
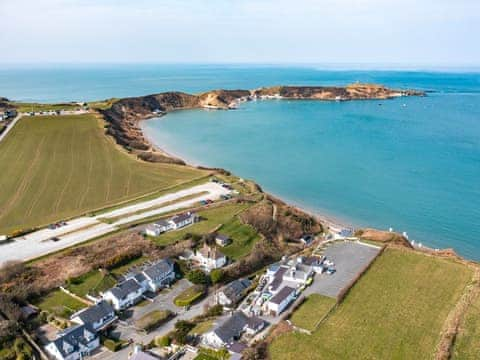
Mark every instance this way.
x=91 y=283
x=211 y=218
x=60 y=304
x=28 y=107
x=62 y=166
x=201 y=328
x=189 y=296
x=467 y=342
x=312 y=311
x=395 y=311
x=243 y=238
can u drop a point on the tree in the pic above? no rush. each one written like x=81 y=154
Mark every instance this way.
x=216 y=275
x=198 y=277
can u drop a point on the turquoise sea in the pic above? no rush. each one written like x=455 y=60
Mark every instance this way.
x=410 y=163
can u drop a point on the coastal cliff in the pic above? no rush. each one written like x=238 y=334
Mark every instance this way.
x=124 y=115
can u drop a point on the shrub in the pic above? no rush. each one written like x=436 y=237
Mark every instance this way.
x=163 y=341
x=112 y=345
x=216 y=276
x=198 y=277
x=182 y=328
x=122 y=259
x=190 y=295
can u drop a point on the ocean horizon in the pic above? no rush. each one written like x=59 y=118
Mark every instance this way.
x=408 y=163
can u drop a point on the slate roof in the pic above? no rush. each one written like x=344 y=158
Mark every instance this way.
x=182 y=217
x=236 y=347
x=140 y=277
x=282 y=295
x=124 y=288
x=162 y=223
x=159 y=269
x=73 y=336
x=278 y=278
x=254 y=322
x=232 y=327
x=222 y=237
x=95 y=313
x=235 y=289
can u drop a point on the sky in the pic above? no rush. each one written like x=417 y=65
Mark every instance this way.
x=406 y=33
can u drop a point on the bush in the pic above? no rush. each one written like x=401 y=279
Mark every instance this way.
x=153 y=319
x=198 y=277
x=163 y=341
x=190 y=295
x=216 y=276
x=182 y=328
x=122 y=259
x=112 y=345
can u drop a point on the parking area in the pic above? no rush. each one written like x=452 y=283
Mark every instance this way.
x=349 y=258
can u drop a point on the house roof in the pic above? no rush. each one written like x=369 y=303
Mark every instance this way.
x=125 y=288
x=72 y=337
x=311 y=260
x=278 y=278
x=162 y=223
x=95 y=313
x=236 y=347
x=182 y=217
x=232 y=327
x=282 y=295
x=158 y=269
x=222 y=237
x=140 y=277
x=234 y=290
x=254 y=322
x=210 y=252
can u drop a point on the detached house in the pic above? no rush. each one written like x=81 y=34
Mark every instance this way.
x=231 y=329
x=174 y=223
x=278 y=303
x=98 y=316
x=233 y=292
x=210 y=258
x=124 y=295
x=74 y=343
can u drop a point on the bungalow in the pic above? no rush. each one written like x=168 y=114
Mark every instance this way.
x=157 y=275
x=73 y=343
x=231 y=329
x=233 y=292
x=98 y=316
x=182 y=220
x=210 y=257
x=158 y=228
x=125 y=294
x=278 y=303
x=222 y=240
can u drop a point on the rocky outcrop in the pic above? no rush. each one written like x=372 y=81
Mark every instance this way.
x=124 y=114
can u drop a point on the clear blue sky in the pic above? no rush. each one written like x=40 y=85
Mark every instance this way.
x=405 y=32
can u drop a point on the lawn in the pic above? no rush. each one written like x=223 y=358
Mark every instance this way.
x=312 y=311
x=243 y=238
x=467 y=342
x=60 y=304
x=28 y=107
x=202 y=327
x=152 y=320
x=91 y=283
x=395 y=311
x=211 y=218
x=190 y=295
x=56 y=167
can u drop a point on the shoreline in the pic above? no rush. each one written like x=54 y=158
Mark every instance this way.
x=330 y=220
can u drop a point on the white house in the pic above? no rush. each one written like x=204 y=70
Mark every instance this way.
x=210 y=257
x=158 y=228
x=278 y=303
x=125 y=294
x=231 y=329
x=155 y=276
x=73 y=343
x=182 y=220
x=98 y=316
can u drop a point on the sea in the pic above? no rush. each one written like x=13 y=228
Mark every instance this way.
x=411 y=163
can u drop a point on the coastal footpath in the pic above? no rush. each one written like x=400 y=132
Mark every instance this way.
x=124 y=115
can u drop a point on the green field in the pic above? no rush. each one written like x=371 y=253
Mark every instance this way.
x=243 y=238
x=467 y=342
x=395 y=311
x=312 y=311
x=56 y=167
x=60 y=304
x=92 y=283
x=28 y=107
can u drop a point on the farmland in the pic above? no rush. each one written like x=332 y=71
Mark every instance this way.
x=57 y=167
x=395 y=311
x=467 y=343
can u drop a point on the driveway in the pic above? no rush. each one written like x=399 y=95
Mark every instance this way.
x=349 y=258
x=163 y=301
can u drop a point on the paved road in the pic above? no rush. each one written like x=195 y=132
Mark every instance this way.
x=10 y=127
x=84 y=228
